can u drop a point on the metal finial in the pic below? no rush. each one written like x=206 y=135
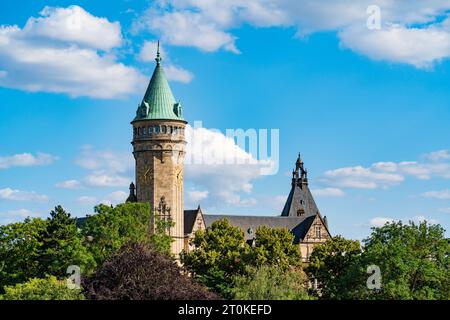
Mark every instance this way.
x=158 y=56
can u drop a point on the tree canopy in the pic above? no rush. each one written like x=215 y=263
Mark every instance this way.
x=42 y=289
x=138 y=272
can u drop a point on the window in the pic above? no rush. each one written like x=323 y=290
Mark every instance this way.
x=156 y=129
x=139 y=131
x=317 y=230
x=144 y=131
x=163 y=129
x=150 y=131
x=300 y=212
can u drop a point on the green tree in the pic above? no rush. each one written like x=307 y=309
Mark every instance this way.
x=330 y=263
x=62 y=246
x=275 y=246
x=42 y=289
x=19 y=250
x=413 y=260
x=219 y=255
x=112 y=227
x=271 y=283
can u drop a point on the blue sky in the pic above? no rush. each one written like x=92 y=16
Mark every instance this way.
x=368 y=109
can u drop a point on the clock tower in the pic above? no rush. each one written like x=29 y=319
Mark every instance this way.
x=159 y=148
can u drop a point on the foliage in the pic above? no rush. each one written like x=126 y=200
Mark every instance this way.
x=275 y=246
x=222 y=253
x=413 y=259
x=138 y=272
x=330 y=262
x=19 y=250
x=112 y=227
x=219 y=255
x=62 y=246
x=271 y=283
x=42 y=289
x=36 y=248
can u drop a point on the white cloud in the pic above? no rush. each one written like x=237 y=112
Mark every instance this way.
x=385 y=174
x=104 y=160
x=12 y=216
x=113 y=198
x=74 y=25
x=106 y=168
x=420 y=47
x=195 y=196
x=360 y=178
x=26 y=160
x=173 y=72
x=438 y=155
x=328 y=192
x=442 y=194
x=411 y=32
x=69 y=184
x=216 y=163
x=380 y=221
x=445 y=210
x=187 y=28
x=87 y=200
x=19 y=195
x=420 y=219
x=99 y=179
x=63 y=51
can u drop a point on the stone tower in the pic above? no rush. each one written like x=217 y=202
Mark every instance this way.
x=159 y=148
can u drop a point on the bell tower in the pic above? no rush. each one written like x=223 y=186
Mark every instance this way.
x=159 y=149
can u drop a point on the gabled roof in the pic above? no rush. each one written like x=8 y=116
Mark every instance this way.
x=159 y=102
x=190 y=216
x=299 y=226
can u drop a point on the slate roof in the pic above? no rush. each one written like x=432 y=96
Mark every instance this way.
x=299 y=226
x=300 y=197
x=189 y=220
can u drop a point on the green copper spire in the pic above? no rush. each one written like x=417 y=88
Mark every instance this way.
x=159 y=102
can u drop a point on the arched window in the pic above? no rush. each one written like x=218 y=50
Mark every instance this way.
x=175 y=130
x=144 y=131
x=163 y=129
x=150 y=131
x=170 y=129
x=139 y=131
x=156 y=129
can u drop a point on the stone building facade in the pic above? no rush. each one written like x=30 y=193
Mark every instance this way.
x=159 y=149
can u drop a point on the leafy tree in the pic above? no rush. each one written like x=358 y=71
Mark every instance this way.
x=138 y=272
x=413 y=260
x=275 y=246
x=219 y=255
x=271 y=283
x=42 y=289
x=112 y=227
x=19 y=250
x=62 y=246
x=330 y=263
